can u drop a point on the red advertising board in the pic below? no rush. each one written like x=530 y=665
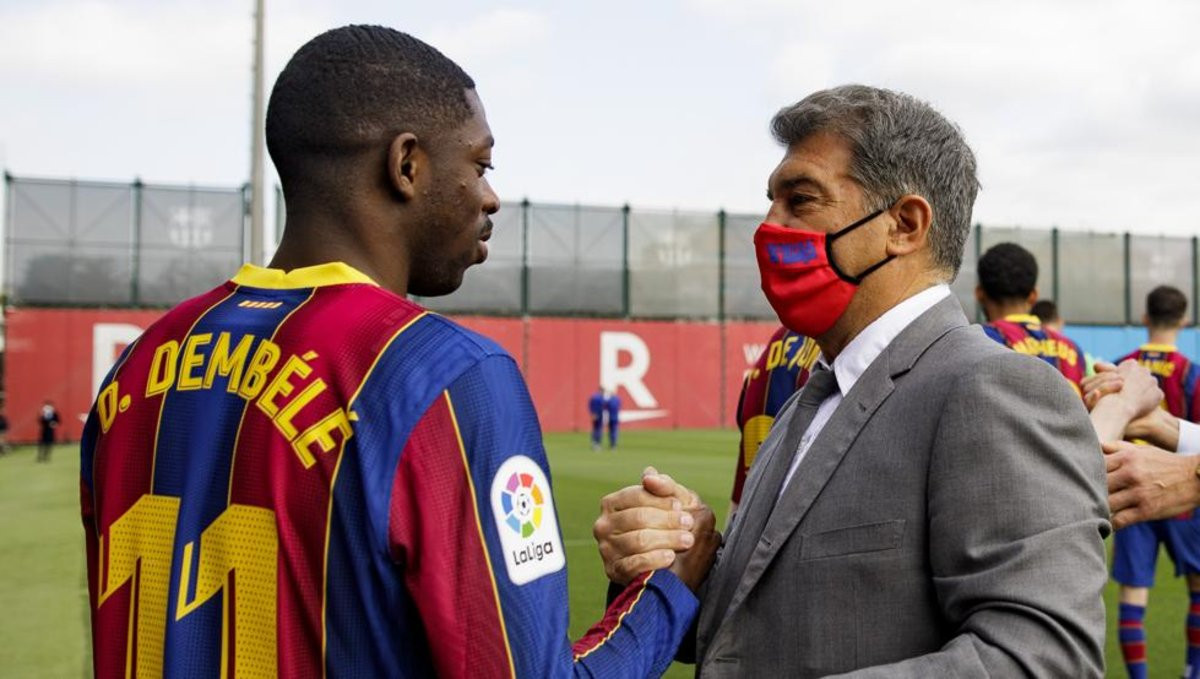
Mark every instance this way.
x=668 y=374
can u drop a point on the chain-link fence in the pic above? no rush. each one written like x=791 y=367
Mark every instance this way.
x=87 y=243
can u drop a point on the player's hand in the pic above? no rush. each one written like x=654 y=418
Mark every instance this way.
x=1146 y=483
x=1106 y=381
x=639 y=530
x=1137 y=394
x=1159 y=427
x=692 y=566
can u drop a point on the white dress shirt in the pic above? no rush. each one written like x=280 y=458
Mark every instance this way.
x=1189 y=438
x=858 y=355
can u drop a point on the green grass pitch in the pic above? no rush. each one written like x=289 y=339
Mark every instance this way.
x=44 y=630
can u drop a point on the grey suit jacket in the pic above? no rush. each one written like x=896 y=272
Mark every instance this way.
x=948 y=521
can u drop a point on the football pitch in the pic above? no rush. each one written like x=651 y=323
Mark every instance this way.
x=44 y=632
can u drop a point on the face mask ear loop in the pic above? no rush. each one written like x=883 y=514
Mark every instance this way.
x=842 y=232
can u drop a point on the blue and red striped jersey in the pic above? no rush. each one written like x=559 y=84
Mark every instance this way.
x=780 y=370
x=1177 y=377
x=302 y=474
x=1025 y=334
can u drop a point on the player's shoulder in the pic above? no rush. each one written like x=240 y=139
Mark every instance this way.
x=474 y=345
x=441 y=350
x=183 y=316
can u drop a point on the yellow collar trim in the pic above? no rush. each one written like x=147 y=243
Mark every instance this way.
x=1023 y=318
x=330 y=273
x=1164 y=348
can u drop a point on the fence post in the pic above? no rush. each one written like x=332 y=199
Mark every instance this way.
x=5 y=288
x=1128 y=282
x=135 y=287
x=721 y=226
x=979 y=317
x=1054 y=262
x=1195 y=279
x=625 y=260
x=525 y=257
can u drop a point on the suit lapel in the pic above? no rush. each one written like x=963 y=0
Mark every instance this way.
x=827 y=451
x=757 y=499
x=814 y=472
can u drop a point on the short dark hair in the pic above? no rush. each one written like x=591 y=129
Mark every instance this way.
x=898 y=145
x=355 y=87
x=1046 y=310
x=1166 y=306
x=1007 y=271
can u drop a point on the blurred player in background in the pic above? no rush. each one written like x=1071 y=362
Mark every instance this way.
x=48 y=423
x=1135 y=549
x=1007 y=291
x=612 y=411
x=1047 y=312
x=596 y=403
x=780 y=370
x=301 y=473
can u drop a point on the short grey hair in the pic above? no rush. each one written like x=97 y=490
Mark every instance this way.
x=898 y=145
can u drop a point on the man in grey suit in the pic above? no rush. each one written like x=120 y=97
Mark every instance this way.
x=932 y=504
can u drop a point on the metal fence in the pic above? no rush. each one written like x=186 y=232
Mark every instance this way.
x=102 y=244
x=83 y=243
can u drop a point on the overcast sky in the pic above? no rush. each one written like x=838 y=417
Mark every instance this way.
x=1084 y=114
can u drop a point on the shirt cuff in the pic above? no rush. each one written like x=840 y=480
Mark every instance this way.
x=1189 y=438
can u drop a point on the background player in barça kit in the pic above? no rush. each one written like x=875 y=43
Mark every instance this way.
x=1007 y=291
x=780 y=370
x=301 y=473
x=1135 y=548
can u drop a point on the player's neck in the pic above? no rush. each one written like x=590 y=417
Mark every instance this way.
x=998 y=311
x=1166 y=336
x=318 y=231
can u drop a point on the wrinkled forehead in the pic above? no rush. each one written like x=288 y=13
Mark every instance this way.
x=821 y=158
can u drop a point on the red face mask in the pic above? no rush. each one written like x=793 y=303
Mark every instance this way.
x=802 y=282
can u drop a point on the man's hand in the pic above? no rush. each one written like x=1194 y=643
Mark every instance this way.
x=1146 y=483
x=639 y=530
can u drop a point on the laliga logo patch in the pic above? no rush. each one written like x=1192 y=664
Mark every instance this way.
x=525 y=520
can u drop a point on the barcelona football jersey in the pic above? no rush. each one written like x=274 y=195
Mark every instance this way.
x=780 y=371
x=1024 y=334
x=1177 y=377
x=302 y=474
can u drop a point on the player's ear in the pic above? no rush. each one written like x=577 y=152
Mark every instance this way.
x=404 y=164
x=1032 y=298
x=980 y=296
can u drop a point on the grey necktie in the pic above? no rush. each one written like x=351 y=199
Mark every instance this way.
x=821 y=384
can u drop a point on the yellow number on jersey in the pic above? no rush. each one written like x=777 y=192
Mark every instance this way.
x=239 y=545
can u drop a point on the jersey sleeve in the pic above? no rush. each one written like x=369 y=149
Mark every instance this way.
x=474 y=527
x=1191 y=382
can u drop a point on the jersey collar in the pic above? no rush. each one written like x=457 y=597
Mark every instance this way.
x=329 y=273
x=1023 y=318
x=1162 y=348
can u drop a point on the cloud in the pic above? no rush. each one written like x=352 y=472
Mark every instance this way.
x=132 y=44
x=1067 y=104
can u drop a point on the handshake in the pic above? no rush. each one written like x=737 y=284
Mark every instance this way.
x=654 y=525
x=1152 y=473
